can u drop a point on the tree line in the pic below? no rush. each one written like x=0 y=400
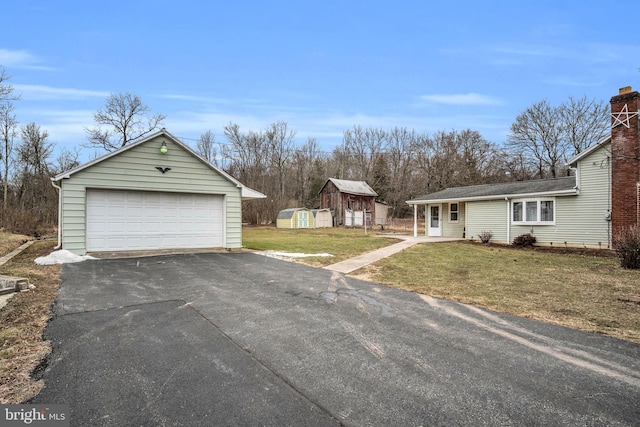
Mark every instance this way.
x=398 y=163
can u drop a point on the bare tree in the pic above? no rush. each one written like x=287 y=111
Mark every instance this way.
x=35 y=150
x=549 y=135
x=8 y=131
x=362 y=147
x=207 y=147
x=584 y=122
x=124 y=119
x=308 y=170
x=400 y=163
x=35 y=194
x=67 y=160
x=6 y=90
x=8 y=127
x=538 y=132
x=246 y=157
x=280 y=142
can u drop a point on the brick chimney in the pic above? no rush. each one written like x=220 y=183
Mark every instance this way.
x=625 y=158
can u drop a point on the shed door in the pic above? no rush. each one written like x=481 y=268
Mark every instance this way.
x=303 y=219
x=138 y=220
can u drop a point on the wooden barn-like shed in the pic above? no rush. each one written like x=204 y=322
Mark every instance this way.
x=295 y=218
x=350 y=202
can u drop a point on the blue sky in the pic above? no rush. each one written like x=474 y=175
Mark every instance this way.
x=321 y=66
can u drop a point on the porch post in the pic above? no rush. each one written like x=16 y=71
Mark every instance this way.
x=415 y=220
x=508 y=221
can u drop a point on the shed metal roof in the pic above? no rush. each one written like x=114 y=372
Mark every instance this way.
x=288 y=213
x=352 y=187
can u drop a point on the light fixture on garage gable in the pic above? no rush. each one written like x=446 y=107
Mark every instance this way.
x=163 y=148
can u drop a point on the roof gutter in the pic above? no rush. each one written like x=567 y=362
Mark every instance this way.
x=577 y=175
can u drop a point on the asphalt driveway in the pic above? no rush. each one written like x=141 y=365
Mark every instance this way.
x=242 y=339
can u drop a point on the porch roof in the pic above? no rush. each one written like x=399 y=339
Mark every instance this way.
x=565 y=186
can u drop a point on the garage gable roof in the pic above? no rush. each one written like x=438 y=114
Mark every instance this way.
x=247 y=193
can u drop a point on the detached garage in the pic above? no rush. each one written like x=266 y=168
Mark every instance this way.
x=156 y=193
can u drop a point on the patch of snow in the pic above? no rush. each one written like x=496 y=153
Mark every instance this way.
x=62 y=256
x=289 y=255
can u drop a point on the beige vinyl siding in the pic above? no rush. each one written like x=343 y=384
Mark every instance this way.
x=489 y=215
x=580 y=219
x=584 y=222
x=135 y=169
x=453 y=229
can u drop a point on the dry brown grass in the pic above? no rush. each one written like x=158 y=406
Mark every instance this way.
x=22 y=322
x=9 y=242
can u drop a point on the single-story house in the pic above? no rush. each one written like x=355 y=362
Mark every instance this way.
x=295 y=218
x=581 y=210
x=322 y=218
x=155 y=193
x=350 y=202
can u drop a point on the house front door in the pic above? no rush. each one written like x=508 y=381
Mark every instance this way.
x=433 y=221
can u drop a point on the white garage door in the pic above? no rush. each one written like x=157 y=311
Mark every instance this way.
x=139 y=220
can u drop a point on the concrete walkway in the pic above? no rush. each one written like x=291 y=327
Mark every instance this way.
x=352 y=264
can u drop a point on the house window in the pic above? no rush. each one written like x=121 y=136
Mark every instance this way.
x=453 y=212
x=536 y=211
x=517 y=212
x=546 y=211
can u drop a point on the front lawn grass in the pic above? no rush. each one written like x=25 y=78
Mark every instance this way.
x=591 y=293
x=342 y=243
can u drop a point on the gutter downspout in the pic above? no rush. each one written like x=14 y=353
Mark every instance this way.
x=508 y=221
x=415 y=220
x=59 y=188
x=577 y=186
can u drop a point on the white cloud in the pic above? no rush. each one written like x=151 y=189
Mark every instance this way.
x=20 y=59
x=39 y=92
x=461 y=99
x=14 y=58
